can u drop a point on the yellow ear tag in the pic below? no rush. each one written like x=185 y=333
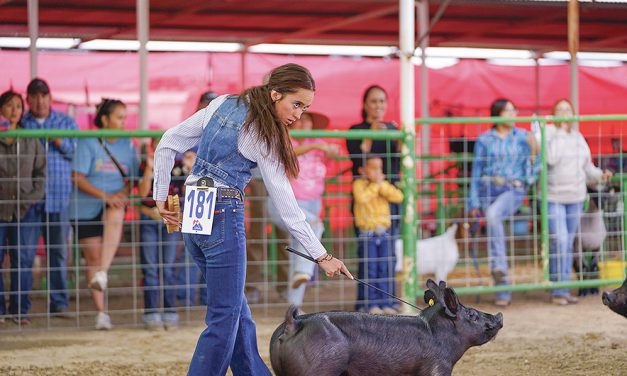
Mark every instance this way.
x=431 y=302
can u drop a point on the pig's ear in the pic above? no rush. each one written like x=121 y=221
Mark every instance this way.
x=431 y=284
x=451 y=302
x=430 y=298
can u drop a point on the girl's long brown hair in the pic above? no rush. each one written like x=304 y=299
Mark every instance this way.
x=285 y=79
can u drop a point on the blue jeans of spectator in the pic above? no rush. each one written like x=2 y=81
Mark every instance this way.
x=230 y=337
x=563 y=224
x=311 y=209
x=20 y=239
x=499 y=202
x=157 y=255
x=396 y=211
x=55 y=229
x=376 y=266
x=187 y=279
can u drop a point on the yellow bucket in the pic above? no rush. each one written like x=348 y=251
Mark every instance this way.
x=612 y=269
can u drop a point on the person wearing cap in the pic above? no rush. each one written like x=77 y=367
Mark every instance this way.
x=206 y=98
x=55 y=208
x=313 y=155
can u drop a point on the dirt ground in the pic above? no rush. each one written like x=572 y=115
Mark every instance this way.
x=537 y=339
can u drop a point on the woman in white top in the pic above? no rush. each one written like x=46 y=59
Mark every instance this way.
x=235 y=133
x=569 y=168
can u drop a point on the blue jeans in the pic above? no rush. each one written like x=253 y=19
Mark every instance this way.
x=376 y=267
x=20 y=239
x=187 y=280
x=499 y=202
x=157 y=253
x=230 y=337
x=563 y=224
x=311 y=209
x=55 y=229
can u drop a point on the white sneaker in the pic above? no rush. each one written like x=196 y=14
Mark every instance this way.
x=299 y=278
x=375 y=311
x=99 y=281
x=103 y=321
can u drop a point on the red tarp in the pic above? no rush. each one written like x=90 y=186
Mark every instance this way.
x=177 y=79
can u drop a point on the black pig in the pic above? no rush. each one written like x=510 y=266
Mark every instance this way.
x=617 y=299
x=354 y=343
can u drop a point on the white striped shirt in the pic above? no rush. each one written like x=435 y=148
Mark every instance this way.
x=187 y=134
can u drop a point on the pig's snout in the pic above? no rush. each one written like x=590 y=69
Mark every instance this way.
x=496 y=323
x=499 y=319
x=608 y=298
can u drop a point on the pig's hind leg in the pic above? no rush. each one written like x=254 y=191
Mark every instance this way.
x=320 y=349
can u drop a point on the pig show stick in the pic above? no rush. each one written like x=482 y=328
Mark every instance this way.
x=292 y=250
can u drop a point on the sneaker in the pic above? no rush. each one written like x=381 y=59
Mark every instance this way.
x=153 y=321
x=502 y=302
x=99 y=281
x=559 y=300
x=389 y=311
x=22 y=321
x=572 y=299
x=253 y=295
x=62 y=313
x=499 y=276
x=375 y=311
x=103 y=321
x=171 y=320
x=299 y=278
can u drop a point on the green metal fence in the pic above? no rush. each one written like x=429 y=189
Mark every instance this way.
x=449 y=202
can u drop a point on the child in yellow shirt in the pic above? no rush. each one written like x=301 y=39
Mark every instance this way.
x=373 y=195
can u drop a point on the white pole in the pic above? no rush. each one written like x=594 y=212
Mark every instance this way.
x=143 y=26
x=33 y=31
x=423 y=27
x=406 y=15
x=573 y=47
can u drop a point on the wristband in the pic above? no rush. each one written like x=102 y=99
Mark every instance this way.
x=328 y=257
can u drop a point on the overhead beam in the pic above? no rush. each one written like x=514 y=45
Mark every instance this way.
x=315 y=30
x=159 y=17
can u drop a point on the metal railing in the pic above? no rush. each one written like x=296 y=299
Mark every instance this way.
x=449 y=194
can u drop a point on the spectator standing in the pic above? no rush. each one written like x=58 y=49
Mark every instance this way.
x=158 y=250
x=308 y=187
x=101 y=171
x=188 y=276
x=504 y=166
x=374 y=107
x=373 y=195
x=54 y=210
x=205 y=99
x=570 y=166
x=235 y=134
x=22 y=180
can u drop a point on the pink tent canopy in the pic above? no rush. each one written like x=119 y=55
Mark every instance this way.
x=177 y=79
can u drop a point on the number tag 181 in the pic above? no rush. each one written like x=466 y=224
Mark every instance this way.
x=200 y=202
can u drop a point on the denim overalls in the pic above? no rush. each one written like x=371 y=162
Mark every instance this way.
x=230 y=337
